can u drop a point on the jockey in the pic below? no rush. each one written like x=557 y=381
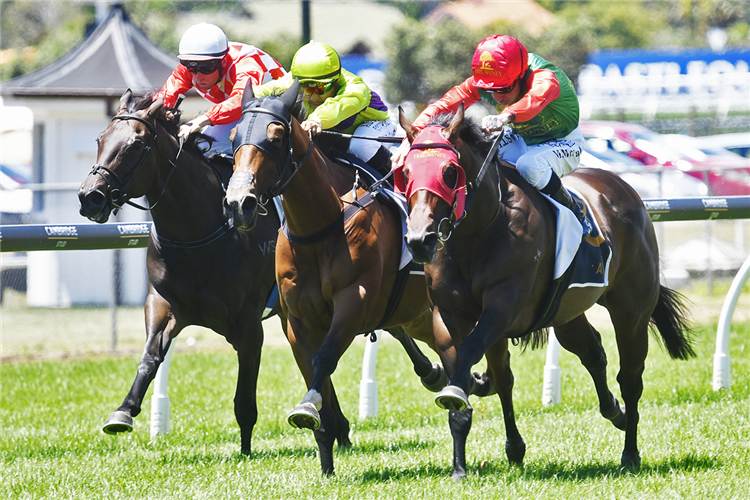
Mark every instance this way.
x=539 y=104
x=340 y=101
x=218 y=70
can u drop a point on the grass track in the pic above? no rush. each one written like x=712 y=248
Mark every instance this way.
x=694 y=442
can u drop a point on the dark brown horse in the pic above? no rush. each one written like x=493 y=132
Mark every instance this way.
x=337 y=257
x=489 y=276
x=201 y=270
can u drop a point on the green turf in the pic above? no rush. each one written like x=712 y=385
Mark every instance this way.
x=694 y=441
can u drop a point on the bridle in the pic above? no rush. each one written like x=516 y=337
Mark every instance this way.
x=115 y=192
x=248 y=133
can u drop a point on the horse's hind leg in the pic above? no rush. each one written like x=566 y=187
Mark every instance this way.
x=498 y=370
x=580 y=338
x=632 y=343
x=432 y=375
x=161 y=327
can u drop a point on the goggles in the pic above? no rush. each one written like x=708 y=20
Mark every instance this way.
x=316 y=88
x=506 y=90
x=204 y=67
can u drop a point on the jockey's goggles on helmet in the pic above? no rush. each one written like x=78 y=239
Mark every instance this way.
x=316 y=87
x=506 y=90
x=205 y=67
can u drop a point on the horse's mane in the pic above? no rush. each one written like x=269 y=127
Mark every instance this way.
x=471 y=132
x=169 y=118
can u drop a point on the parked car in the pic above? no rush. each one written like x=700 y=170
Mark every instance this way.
x=738 y=143
x=15 y=200
x=15 y=206
x=724 y=176
x=646 y=182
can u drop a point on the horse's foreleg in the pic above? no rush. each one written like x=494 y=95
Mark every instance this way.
x=161 y=327
x=460 y=425
x=317 y=411
x=489 y=329
x=245 y=396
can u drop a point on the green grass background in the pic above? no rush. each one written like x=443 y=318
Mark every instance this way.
x=55 y=395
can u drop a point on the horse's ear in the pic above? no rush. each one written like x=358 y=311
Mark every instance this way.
x=124 y=101
x=454 y=128
x=249 y=95
x=154 y=108
x=289 y=98
x=411 y=132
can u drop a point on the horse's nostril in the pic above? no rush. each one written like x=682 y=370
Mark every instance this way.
x=96 y=198
x=249 y=204
x=430 y=240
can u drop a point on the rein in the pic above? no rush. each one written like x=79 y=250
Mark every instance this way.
x=116 y=195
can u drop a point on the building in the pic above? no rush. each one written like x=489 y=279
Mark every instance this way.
x=72 y=100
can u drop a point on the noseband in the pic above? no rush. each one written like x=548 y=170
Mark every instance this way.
x=116 y=194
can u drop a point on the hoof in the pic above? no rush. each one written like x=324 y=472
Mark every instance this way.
x=515 y=451
x=118 y=422
x=452 y=398
x=616 y=414
x=304 y=416
x=630 y=461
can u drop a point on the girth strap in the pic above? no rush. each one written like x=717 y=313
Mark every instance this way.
x=343 y=218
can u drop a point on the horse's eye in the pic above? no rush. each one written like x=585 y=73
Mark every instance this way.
x=450 y=175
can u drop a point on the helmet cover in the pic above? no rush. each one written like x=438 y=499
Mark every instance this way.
x=316 y=62
x=202 y=42
x=498 y=61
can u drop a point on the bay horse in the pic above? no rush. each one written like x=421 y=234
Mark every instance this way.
x=337 y=257
x=201 y=271
x=488 y=276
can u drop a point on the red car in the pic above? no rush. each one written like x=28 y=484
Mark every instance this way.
x=725 y=175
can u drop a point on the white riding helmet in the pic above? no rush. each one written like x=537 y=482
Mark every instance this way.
x=202 y=42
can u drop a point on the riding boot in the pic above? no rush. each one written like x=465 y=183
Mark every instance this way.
x=381 y=161
x=557 y=191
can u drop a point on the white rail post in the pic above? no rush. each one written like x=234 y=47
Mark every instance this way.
x=368 y=386
x=722 y=361
x=552 y=386
x=160 y=398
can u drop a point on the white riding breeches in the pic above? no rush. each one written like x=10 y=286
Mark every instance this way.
x=365 y=148
x=537 y=162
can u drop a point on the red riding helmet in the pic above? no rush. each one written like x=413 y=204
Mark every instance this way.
x=498 y=62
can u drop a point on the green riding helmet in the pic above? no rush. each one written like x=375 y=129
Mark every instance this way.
x=316 y=62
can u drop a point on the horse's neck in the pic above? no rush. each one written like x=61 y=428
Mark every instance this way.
x=487 y=206
x=191 y=204
x=312 y=200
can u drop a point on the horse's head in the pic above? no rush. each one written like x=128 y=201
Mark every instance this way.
x=122 y=148
x=263 y=163
x=434 y=184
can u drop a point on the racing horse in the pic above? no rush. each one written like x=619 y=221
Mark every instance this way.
x=489 y=265
x=337 y=257
x=201 y=271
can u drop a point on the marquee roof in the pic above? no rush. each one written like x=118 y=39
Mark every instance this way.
x=115 y=57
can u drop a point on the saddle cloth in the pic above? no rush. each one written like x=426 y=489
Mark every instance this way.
x=591 y=257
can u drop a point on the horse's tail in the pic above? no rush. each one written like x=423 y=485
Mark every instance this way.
x=671 y=319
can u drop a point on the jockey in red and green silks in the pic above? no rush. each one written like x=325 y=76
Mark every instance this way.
x=538 y=114
x=338 y=100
